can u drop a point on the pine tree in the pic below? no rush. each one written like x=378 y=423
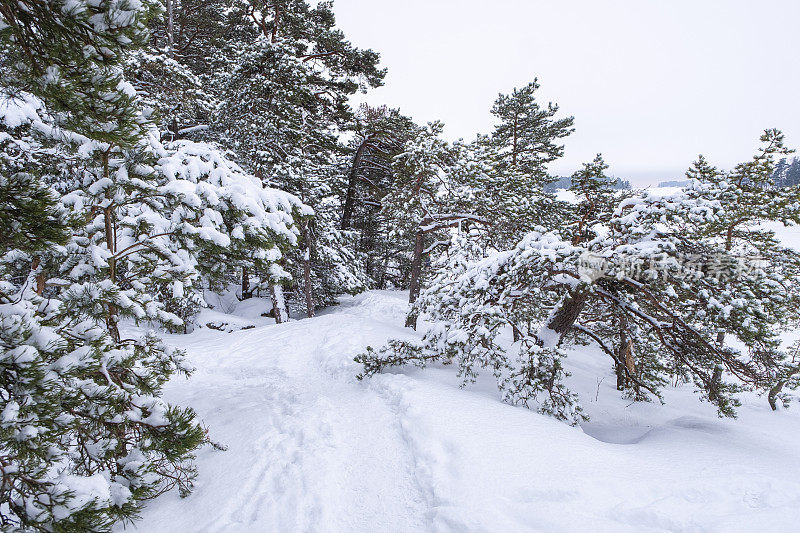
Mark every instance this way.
x=284 y=106
x=779 y=178
x=793 y=173
x=651 y=280
x=431 y=193
x=596 y=194
x=244 y=226
x=30 y=219
x=525 y=140
x=380 y=136
x=85 y=435
x=181 y=105
x=527 y=133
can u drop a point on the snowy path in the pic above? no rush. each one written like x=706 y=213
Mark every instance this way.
x=312 y=449
x=309 y=448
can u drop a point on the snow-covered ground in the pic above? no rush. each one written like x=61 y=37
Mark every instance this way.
x=310 y=448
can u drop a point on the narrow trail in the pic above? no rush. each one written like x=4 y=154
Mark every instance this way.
x=309 y=447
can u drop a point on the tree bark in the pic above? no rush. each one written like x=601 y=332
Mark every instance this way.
x=776 y=389
x=308 y=287
x=414 y=283
x=352 y=180
x=567 y=313
x=619 y=368
x=170 y=27
x=514 y=146
x=245 y=283
x=278 y=303
x=630 y=363
x=716 y=377
x=624 y=356
x=276 y=23
x=35 y=264
x=111 y=314
x=111 y=244
x=773 y=394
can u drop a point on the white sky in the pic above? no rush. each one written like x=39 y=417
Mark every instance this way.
x=651 y=83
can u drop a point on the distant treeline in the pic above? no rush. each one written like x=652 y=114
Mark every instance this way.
x=674 y=183
x=787 y=173
x=565 y=182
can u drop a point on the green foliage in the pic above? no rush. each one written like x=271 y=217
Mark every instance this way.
x=85 y=437
x=177 y=96
x=527 y=133
x=30 y=217
x=68 y=54
x=596 y=195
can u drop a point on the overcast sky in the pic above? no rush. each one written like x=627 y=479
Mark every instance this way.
x=651 y=83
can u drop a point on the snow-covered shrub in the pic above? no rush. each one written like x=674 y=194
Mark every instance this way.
x=241 y=226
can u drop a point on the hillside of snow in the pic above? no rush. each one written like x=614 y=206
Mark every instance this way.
x=310 y=448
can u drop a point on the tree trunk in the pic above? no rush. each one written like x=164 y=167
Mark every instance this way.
x=625 y=364
x=278 y=303
x=619 y=368
x=514 y=145
x=716 y=377
x=308 y=287
x=352 y=180
x=565 y=315
x=624 y=358
x=276 y=23
x=170 y=27
x=111 y=315
x=35 y=264
x=309 y=294
x=515 y=331
x=630 y=363
x=773 y=394
x=776 y=389
x=414 y=283
x=111 y=244
x=245 y=283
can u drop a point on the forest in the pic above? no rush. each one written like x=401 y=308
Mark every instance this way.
x=157 y=159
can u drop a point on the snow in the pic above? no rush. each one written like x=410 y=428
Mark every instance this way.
x=17 y=111
x=204 y=176
x=789 y=236
x=85 y=489
x=565 y=195
x=310 y=448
